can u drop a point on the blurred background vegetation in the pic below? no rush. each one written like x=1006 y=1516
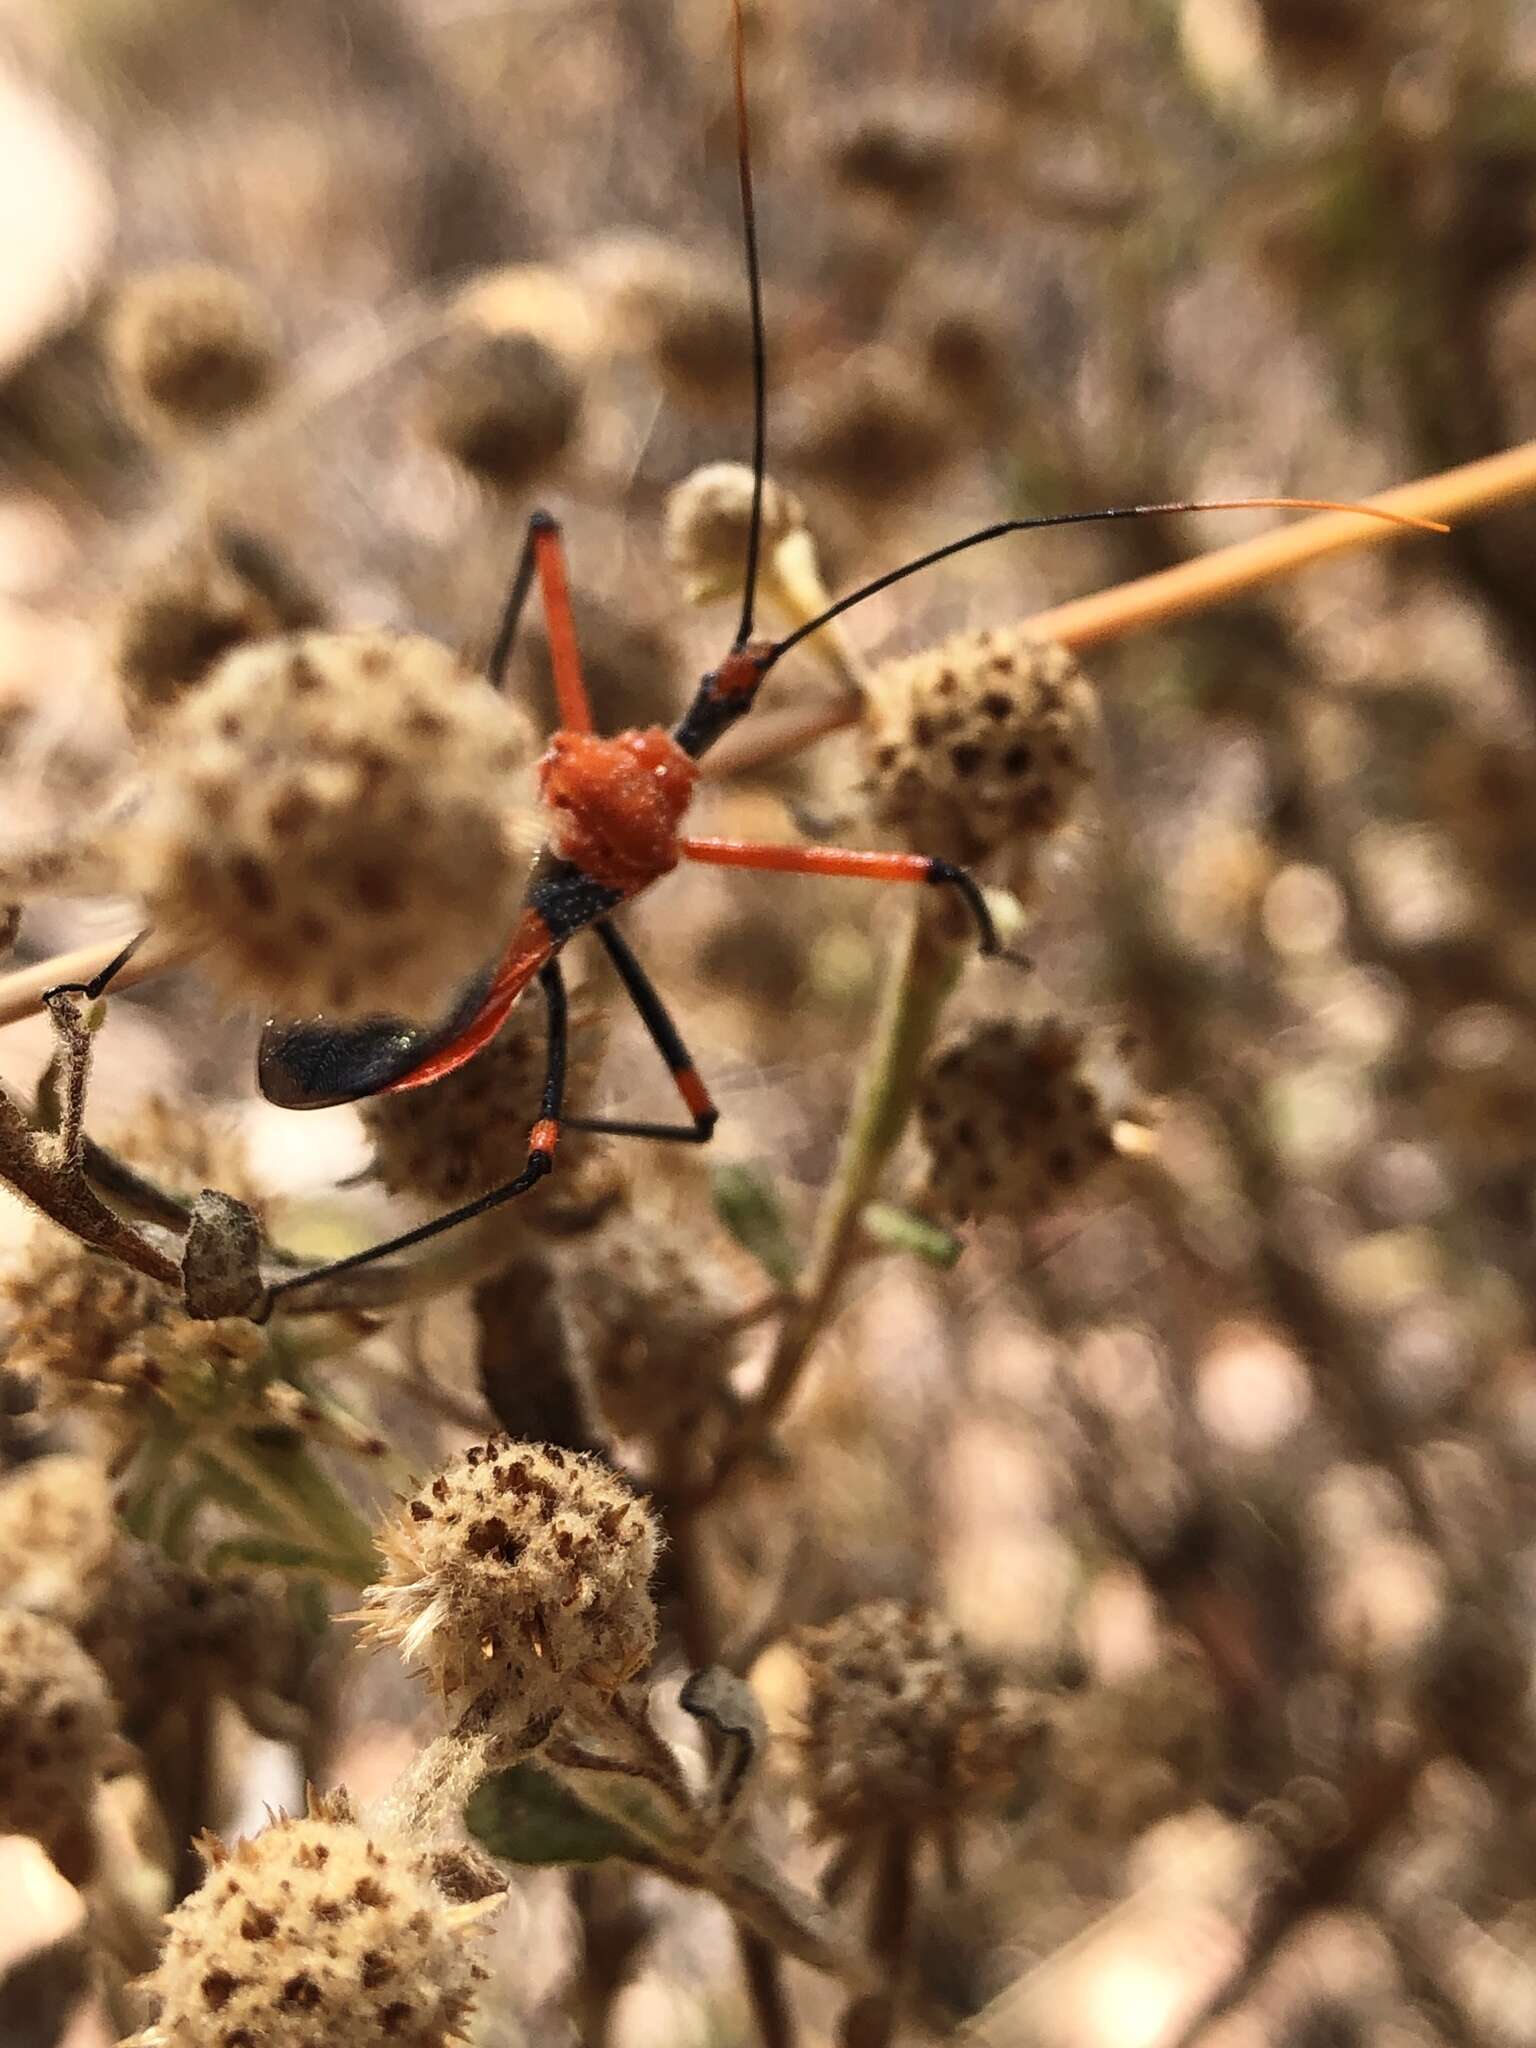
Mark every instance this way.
x=1241 y=1436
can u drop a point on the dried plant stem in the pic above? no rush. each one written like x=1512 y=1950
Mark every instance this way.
x=700 y=1627
x=22 y=990
x=870 y=2021
x=1189 y=587
x=922 y=972
x=29 y=1162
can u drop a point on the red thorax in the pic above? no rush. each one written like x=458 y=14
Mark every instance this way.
x=616 y=803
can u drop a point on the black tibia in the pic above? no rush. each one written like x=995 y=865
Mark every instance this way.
x=517 y=597
x=100 y=983
x=667 y=1041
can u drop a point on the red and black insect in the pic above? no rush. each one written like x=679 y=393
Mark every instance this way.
x=616 y=808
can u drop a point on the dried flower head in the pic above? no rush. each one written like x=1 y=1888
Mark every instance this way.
x=192 y=347
x=519 y=1577
x=332 y=820
x=58 y=1733
x=177 y=621
x=685 y=312
x=82 y=1325
x=503 y=406
x=1128 y=1755
x=315 y=1933
x=654 y=1315
x=875 y=430
x=1016 y=1116
x=156 y=1628
x=707 y=520
x=905 y=148
x=904 y=1727
x=980 y=746
x=460 y=1135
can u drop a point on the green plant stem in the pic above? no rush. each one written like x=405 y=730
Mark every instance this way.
x=921 y=976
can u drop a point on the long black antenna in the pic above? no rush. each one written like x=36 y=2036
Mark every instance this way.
x=759 y=345
x=972 y=540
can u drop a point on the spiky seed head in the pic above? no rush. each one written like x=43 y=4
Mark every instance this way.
x=707 y=520
x=980 y=747
x=518 y=1579
x=1018 y=1116
x=316 y=1933
x=58 y=1732
x=455 y=1138
x=503 y=406
x=652 y=1310
x=178 y=620
x=906 y=1727
x=192 y=346
x=334 y=820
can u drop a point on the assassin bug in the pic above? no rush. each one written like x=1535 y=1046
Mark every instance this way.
x=615 y=809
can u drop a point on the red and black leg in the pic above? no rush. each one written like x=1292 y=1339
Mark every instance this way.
x=542 y=1141
x=664 y=1036
x=544 y=556
x=861 y=864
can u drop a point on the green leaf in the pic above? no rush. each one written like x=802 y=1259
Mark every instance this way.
x=748 y=1205
x=901 y=1230
x=524 y=1816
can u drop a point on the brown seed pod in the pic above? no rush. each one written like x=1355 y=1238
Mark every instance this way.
x=176 y=622
x=58 y=1734
x=1018 y=1116
x=518 y=1579
x=505 y=407
x=905 y=148
x=875 y=430
x=192 y=347
x=653 y=1313
x=981 y=746
x=683 y=311
x=332 y=819
x=1128 y=1755
x=904 y=1727
x=315 y=1933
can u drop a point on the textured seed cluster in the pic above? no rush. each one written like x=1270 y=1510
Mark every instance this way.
x=154 y=1627
x=58 y=1731
x=1017 y=1116
x=315 y=1933
x=905 y=1727
x=330 y=821
x=178 y=620
x=685 y=312
x=503 y=406
x=1126 y=1756
x=981 y=746
x=192 y=347
x=707 y=520
x=81 y=1323
x=468 y=1131
x=906 y=149
x=652 y=1312
x=517 y=1578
